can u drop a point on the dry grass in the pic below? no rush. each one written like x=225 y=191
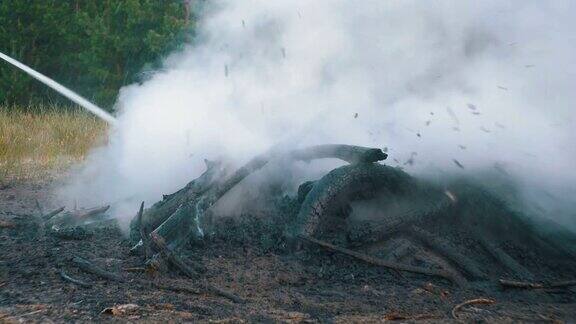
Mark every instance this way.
x=40 y=142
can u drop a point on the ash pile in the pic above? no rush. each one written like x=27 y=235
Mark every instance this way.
x=457 y=233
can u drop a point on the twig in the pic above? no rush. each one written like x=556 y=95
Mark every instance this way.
x=535 y=285
x=176 y=288
x=66 y=277
x=470 y=302
x=25 y=314
x=51 y=214
x=135 y=269
x=379 y=262
x=93 y=269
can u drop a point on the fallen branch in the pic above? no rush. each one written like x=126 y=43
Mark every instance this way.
x=224 y=293
x=87 y=266
x=51 y=214
x=535 y=285
x=471 y=302
x=176 y=288
x=66 y=277
x=380 y=262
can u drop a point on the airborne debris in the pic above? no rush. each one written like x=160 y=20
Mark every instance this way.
x=458 y=163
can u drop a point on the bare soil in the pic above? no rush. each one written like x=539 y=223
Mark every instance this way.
x=315 y=286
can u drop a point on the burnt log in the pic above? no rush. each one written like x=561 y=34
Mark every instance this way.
x=343 y=185
x=181 y=215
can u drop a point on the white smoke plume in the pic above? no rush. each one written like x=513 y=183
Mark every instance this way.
x=481 y=84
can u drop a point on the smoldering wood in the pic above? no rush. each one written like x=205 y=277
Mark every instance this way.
x=196 y=198
x=144 y=238
x=87 y=266
x=53 y=213
x=160 y=211
x=78 y=282
x=83 y=215
x=379 y=262
x=74 y=217
x=181 y=226
x=437 y=245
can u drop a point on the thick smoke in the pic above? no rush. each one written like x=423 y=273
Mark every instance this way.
x=449 y=87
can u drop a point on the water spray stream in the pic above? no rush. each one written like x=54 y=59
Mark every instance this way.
x=62 y=90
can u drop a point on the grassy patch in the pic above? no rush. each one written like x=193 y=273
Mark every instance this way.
x=39 y=142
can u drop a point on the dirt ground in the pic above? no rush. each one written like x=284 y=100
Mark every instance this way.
x=277 y=287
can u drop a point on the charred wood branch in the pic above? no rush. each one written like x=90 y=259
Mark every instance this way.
x=205 y=287
x=51 y=214
x=348 y=153
x=177 y=288
x=161 y=211
x=91 y=213
x=443 y=248
x=188 y=271
x=536 y=285
x=171 y=257
x=222 y=292
x=144 y=233
x=503 y=258
x=181 y=226
x=379 y=262
x=87 y=266
x=66 y=277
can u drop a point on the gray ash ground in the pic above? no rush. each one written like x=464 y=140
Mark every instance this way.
x=314 y=286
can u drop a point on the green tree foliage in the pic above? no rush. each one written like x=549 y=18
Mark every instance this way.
x=92 y=46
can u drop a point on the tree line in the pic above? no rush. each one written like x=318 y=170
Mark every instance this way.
x=91 y=46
